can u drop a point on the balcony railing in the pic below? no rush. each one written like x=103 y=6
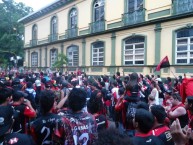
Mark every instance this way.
x=33 y=42
x=53 y=37
x=182 y=6
x=97 y=26
x=134 y=17
x=70 y=33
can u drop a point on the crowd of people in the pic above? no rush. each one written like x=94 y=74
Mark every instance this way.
x=76 y=109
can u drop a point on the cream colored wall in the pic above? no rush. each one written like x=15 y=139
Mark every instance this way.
x=153 y=5
x=114 y=10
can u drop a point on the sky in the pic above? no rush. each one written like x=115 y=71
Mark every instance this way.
x=35 y=4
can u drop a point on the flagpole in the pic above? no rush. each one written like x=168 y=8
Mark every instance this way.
x=173 y=74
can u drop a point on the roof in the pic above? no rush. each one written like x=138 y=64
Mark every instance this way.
x=43 y=11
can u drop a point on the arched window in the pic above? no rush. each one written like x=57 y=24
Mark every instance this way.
x=34 y=35
x=34 y=32
x=99 y=10
x=184 y=47
x=134 y=5
x=72 y=55
x=34 y=59
x=54 y=25
x=73 y=18
x=134 y=50
x=53 y=56
x=98 y=53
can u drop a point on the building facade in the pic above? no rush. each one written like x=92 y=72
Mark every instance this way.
x=105 y=36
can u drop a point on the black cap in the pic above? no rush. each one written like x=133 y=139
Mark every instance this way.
x=6 y=119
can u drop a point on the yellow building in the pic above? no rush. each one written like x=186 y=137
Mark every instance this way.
x=105 y=36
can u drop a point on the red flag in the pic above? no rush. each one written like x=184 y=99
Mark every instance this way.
x=163 y=64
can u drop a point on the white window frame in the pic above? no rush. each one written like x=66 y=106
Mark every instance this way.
x=133 y=54
x=188 y=51
x=34 y=59
x=71 y=59
x=53 y=56
x=97 y=53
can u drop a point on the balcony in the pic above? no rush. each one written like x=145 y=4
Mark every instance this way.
x=134 y=17
x=182 y=6
x=53 y=37
x=97 y=26
x=33 y=42
x=70 y=33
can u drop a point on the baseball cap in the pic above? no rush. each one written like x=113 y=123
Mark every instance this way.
x=38 y=83
x=6 y=115
x=159 y=79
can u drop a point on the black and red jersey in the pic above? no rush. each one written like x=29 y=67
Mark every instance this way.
x=146 y=139
x=76 y=128
x=164 y=134
x=16 y=139
x=24 y=114
x=42 y=128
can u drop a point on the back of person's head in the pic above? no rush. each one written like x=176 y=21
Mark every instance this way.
x=159 y=113
x=144 y=120
x=176 y=96
x=29 y=85
x=46 y=101
x=4 y=95
x=133 y=81
x=102 y=84
x=94 y=105
x=17 y=95
x=142 y=105
x=77 y=99
x=118 y=74
x=111 y=136
x=121 y=91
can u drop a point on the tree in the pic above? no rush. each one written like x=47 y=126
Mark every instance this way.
x=62 y=60
x=12 y=32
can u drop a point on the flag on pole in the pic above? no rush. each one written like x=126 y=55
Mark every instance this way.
x=163 y=64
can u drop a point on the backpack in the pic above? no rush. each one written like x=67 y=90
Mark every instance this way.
x=131 y=110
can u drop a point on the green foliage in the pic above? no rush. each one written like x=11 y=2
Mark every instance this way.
x=62 y=60
x=12 y=32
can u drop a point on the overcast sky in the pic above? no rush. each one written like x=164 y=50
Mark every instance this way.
x=35 y=4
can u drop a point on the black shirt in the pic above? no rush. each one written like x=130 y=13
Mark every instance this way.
x=146 y=140
x=16 y=139
x=42 y=128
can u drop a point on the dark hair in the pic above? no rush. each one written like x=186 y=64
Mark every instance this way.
x=142 y=105
x=4 y=94
x=94 y=104
x=29 y=85
x=102 y=84
x=176 y=96
x=118 y=73
x=17 y=95
x=111 y=136
x=133 y=82
x=145 y=120
x=153 y=83
x=46 y=101
x=159 y=112
x=121 y=91
x=77 y=99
